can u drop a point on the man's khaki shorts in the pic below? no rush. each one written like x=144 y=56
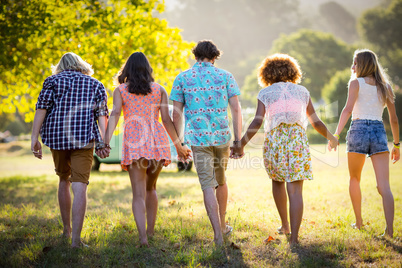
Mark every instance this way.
x=73 y=165
x=211 y=163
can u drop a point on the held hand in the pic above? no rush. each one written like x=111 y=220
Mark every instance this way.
x=184 y=153
x=395 y=155
x=332 y=143
x=103 y=153
x=236 y=151
x=36 y=148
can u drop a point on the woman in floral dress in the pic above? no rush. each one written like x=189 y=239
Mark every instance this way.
x=287 y=109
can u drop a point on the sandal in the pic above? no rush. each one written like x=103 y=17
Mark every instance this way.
x=279 y=231
x=229 y=230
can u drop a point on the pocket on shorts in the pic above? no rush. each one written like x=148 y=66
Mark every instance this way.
x=354 y=138
x=381 y=137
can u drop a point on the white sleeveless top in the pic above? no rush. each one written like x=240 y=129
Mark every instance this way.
x=284 y=102
x=368 y=104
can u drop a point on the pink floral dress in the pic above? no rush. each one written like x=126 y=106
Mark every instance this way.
x=144 y=136
x=286 y=151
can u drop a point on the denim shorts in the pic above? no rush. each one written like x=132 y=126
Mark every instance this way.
x=366 y=137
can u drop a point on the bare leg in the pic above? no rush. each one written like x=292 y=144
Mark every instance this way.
x=295 y=192
x=355 y=164
x=222 y=198
x=381 y=168
x=280 y=197
x=79 y=208
x=138 y=178
x=211 y=205
x=64 y=197
x=151 y=200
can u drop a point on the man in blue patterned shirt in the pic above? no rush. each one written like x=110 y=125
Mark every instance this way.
x=205 y=92
x=68 y=108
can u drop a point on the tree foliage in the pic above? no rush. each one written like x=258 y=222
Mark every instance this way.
x=335 y=94
x=35 y=34
x=382 y=27
x=243 y=29
x=320 y=56
x=339 y=21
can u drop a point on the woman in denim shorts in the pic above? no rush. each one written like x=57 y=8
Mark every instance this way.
x=369 y=93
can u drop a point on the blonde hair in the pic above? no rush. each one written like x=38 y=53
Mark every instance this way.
x=279 y=68
x=71 y=61
x=367 y=65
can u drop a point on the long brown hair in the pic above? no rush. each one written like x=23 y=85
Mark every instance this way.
x=367 y=65
x=137 y=73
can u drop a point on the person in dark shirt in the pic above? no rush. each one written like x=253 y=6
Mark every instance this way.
x=71 y=117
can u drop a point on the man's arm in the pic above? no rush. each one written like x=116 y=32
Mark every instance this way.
x=36 y=147
x=236 y=117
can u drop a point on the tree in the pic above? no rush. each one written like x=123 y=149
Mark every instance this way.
x=339 y=21
x=243 y=29
x=381 y=27
x=35 y=34
x=320 y=56
x=335 y=94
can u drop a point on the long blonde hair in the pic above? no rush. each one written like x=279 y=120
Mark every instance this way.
x=367 y=65
x=71 y=61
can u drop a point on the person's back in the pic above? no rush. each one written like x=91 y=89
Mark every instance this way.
x=71 y=97
x=144 y=136
x=285 y=102
x=205 y=91
x=70 y=106
x=368 y=104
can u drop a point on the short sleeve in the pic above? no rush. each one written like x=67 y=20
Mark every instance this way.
x=261 y=96
x=233 y=88
x=101 y=101
x=45 y=99
x=177 y=93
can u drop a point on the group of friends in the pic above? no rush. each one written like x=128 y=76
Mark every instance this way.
x=73 y=120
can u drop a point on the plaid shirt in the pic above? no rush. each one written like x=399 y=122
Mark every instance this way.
x=73 y=101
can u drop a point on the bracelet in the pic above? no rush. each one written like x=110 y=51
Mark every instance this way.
x=337 y=136
x=101 y=145
x=397 y=145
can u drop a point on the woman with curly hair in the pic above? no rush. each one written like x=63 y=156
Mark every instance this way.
x=287 y=108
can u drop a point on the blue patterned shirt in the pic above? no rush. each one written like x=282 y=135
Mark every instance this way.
x=73 y=101
x=205 y=91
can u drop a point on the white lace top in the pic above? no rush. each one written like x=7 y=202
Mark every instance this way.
x=284 y=102
x=368 y=105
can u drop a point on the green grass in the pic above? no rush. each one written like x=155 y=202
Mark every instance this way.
x=30 y=224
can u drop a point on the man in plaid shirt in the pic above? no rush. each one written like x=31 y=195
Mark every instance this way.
x=68 y=108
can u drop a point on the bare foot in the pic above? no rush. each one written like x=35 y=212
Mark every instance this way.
x=357 y=226
x=218 y=242
x=143 y=245
x=67 y=232
x=79 y=245
x=293 y=240
x=388 y=234
x=283 y=230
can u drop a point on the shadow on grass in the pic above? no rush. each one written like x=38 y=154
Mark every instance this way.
x=315 y=255
x=18 y=190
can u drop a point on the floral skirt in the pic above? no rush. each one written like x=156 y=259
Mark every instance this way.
x=287 y=154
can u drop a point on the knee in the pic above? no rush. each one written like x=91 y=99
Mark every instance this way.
x=354 y=179
x=384 y=190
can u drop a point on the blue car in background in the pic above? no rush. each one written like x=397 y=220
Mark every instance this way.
x=116 y=151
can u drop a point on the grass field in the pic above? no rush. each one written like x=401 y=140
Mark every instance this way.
x=30 y=225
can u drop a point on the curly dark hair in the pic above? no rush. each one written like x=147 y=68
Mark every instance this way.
x=137 y=73
x=279 y=68
x=206 y=49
